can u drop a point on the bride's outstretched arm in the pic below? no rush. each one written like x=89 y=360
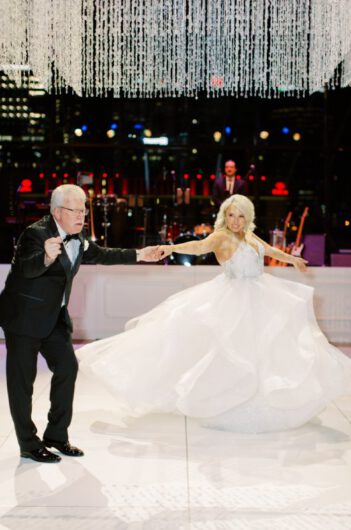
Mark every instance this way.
x=276 y=253
x=209 y=244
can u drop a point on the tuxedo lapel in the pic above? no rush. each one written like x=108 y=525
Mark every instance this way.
x=78 y=260
x=63 y=257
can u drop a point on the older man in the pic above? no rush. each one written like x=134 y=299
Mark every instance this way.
x=34 y=316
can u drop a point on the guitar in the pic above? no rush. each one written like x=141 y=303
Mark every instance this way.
x=297 y=248
x=274 y=262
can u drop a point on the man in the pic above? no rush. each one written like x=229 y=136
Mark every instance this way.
x=34 y=316
x=227 y=184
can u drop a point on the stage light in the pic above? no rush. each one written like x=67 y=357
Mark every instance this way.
x=217 y=136
x=194 y=121
x=251 y=177
x=103 y=182
x=194 y=151
x=114 y=126
x=199 y=176
x=78 y=132
x=263 y=178
x=41 y=175
x=104 y=175
x=297 y=137
x=147 y=133
x=65 y=175
x=227 y=130
x=285 y=130
x=264 y=135
x=25 y=186
x=84 y=128
x=347 y=222
x=162 y=140
x=110 y=133
x=138 y=126
x=280 y=189
x=213 y=176
x=186 y=176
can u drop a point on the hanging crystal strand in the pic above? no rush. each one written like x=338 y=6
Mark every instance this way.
x=345 y=79
x=13 y=39
x=211 y=48
x=88 y=48
x=66 y=23
x=259 y=18
x=40 y=37
x=326 y=43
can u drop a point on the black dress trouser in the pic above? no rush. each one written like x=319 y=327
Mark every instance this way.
x=21 y=370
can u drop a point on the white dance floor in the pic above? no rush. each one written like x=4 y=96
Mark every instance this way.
x=168 y=473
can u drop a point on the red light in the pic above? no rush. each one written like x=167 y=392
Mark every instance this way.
x=213 y=176
x=280 y=189
x=25 y=186
x=186 y=176
x=65 y=175
x=54 y=175
x=251 y=177
x=263 y=178
x=217 y=81
x=124 y=187
x=199 y=176
x=104 y=175
x=238 y=177
x=117 y=175
x=41 y=175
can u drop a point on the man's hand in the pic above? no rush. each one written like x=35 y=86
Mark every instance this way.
x=52 y=247
x=149 y=254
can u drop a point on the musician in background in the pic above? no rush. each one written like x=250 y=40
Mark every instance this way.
x=227 y=184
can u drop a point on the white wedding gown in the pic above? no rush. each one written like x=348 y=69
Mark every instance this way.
x=242 y=351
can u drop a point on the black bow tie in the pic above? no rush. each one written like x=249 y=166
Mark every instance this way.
x=70 y=236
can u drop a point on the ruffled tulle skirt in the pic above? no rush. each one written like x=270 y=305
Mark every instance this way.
x=241 y=354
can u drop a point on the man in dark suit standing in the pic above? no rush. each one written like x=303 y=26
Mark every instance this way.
x=34 y=316
x=227 y=184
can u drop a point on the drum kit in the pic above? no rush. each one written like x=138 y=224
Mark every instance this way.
x=108 y=224
x=175 y=233
x=107 y=218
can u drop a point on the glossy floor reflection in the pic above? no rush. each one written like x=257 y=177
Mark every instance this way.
x=168 y=473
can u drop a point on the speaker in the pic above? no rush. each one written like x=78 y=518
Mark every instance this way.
x=340 y=260
x=314 y=249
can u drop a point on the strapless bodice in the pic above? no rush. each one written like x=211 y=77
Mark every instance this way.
x=246 y=262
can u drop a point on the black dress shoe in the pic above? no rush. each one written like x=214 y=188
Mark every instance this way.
x=41 y=455
x=64 y=447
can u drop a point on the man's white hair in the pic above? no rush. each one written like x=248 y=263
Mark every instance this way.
x=60 y=193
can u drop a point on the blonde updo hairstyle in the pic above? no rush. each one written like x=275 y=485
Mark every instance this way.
x=244 y=205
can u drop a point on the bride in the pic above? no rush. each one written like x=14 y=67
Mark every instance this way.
x=243 y=351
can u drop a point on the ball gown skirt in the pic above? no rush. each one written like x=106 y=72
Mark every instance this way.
x=242 y=351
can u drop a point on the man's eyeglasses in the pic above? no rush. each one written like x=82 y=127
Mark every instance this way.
x=76 y=211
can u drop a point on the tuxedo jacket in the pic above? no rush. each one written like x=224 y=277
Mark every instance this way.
x=32 y=297
x=220 y=193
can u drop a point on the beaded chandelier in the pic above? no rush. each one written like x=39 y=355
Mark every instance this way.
x=159 y=48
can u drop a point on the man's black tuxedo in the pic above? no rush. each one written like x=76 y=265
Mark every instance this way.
x=220 y=193
x=34 y=320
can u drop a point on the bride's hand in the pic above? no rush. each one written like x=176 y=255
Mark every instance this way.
x=300 y=264
x=166 y=251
